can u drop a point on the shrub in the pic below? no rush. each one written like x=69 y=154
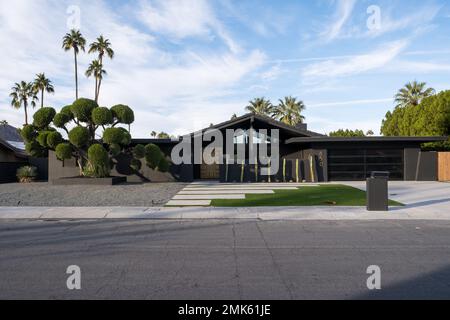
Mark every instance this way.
x=79 y=136
x=114 y=149
x=61 y=119
x=126 y=140
x=102 y=116
x=34 y=149
x=53 y=139
x=153 y=155
x=63 y=151
x=113 y=135
x=136 y=164
x=67 y=111
x=82 y=109
x=139 y=151
x=43 y=117
x=123 y=114
x=28 y=133
x=42 y=138
x=163 y=165
x=98 y=158
x=26 y=174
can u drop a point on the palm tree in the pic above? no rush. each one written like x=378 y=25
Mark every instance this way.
x=41 y=83
x=74 y=40
x=96 y=69
x=412 y=94
x=153 y=134
x=260 y=106
x=102 y=46
x=21 y=94
x=289 y=111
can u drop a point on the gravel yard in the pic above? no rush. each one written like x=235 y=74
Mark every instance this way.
x=44 y=194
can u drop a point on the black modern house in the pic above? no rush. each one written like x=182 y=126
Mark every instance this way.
x=305 y=156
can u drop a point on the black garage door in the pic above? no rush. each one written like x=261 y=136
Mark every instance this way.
x=356 y=164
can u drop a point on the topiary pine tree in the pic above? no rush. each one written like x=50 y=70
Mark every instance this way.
x=80 y=122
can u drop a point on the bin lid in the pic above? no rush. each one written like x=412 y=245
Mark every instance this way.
x=379 y=174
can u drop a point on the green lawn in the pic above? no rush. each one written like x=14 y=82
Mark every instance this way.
x=331 y=195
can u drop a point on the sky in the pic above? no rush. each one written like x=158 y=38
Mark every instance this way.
x=183 y=64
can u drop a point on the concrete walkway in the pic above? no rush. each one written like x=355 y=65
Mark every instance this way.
x=201 y=193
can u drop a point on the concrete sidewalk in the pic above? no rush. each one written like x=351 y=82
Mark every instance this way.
x=260 y=213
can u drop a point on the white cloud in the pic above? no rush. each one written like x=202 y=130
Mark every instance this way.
x=343 y=13
x=184 y=18
x=349 y=103
x=168 y=91
x=357 y=64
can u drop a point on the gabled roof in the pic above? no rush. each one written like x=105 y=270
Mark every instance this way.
x=9 y=133
x=269 y=120
x=13 y=148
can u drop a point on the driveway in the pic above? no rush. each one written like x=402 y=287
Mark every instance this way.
x=431 y=197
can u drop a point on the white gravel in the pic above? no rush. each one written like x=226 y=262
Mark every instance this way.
x=44 y=194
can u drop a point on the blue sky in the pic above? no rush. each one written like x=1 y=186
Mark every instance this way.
x=182 y=65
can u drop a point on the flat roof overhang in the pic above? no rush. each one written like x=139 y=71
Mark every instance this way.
x=364 y=139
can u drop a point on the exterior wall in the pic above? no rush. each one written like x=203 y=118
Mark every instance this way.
x=410 y=165
x=427 y=166
x=8 y=171
x=68 y=168
x=7 y=155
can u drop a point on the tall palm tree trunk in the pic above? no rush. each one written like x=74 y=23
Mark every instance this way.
x=42 y=98
x=76 y=75
x=26 y=112
x=98 y=90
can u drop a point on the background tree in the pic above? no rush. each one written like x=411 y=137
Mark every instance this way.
x=412 y=94
x=154 y=134
x=102 y=46
x=74 y=41
x=369 y=133
x=347 y=133
x=23 y=94
x=163 y=135
x=3 y=123
x=42 y=84
x=429 y=118
x=260 y=106
x=96 y=69
x=289 y=111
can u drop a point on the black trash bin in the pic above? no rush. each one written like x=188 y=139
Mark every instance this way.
x=377 y=191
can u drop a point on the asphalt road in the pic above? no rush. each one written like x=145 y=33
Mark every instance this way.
x=224 y=259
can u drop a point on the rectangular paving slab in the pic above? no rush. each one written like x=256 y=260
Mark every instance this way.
x=208 y=196
x=182 y=203
x=190 y=191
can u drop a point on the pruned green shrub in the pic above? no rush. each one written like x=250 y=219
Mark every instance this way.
x=79 y=136
x=126 y=139
x=34 y=149
x=114 y=149
x=136 y=164
x=98 y=159
x=43 y=117
x=67 y=111
x=153 y=155
x=113 y=135
x=82 y=109
x=102 y=116
x=53 y=139
x=61 y=119
x=26 y=174
x=139 y=151
x=63 y=151
x=123 y=114
x=28 y=133
x=42 y=138
x=163 y=165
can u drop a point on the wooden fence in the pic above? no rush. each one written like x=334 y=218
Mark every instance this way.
x=444 y=166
